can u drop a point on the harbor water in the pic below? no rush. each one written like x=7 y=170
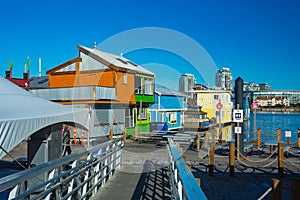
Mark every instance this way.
x=270 y=122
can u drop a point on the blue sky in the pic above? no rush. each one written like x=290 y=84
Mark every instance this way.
x=258 y=40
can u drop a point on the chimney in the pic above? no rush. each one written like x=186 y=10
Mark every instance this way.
x=26 y=75
x=8 y=74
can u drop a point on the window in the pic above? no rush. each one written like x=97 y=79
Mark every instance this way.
x=148 y=86
x=172 y=117
x=138 y=85
x=124 y=78
x=143 y=115
x=162 y=117
x=129 y=118
x=216 y=97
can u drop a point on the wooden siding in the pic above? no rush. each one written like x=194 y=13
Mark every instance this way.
x=62 y=80
x=125 y=91
x=101 y=78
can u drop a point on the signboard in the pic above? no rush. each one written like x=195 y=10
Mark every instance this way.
x=288 y=134
x=238 y=115
x=254 y=105
x=238 y=130
x=219 y=106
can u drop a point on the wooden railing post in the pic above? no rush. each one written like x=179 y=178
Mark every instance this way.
x=280 y=159
x=276 y=189
x=110 y=134
x=198 y=141
x=211 y=160
x=231 y=158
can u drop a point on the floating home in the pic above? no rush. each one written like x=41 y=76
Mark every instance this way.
x=117 y=91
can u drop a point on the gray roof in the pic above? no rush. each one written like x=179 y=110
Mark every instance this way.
x=167 y=91
x=39 y=82
x=118 y=61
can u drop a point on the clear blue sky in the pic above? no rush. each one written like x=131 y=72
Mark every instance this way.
x=258 y=40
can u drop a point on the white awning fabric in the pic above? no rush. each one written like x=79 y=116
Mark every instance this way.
x=22 y=114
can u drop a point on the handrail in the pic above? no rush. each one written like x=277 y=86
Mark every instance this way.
x=94 y=167
x=186 y=186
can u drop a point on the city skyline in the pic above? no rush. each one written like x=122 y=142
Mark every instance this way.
x=258 y=41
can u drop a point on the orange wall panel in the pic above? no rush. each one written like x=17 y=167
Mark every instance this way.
x=61 y=80
x=125 y=92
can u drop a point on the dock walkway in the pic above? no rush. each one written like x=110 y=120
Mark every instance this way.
x=143 y=175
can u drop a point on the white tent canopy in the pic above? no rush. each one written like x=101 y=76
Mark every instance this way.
x=22 y=114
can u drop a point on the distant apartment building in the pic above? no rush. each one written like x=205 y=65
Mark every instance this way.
x=292 y=96
x=264 y=87
x=251 y=87
x=187 y=83
x=271 y=101
x=224 y=79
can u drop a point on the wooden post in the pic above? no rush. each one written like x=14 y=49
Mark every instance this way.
x=258 y=138
x=124 y=135
x=299 y=138
x=276 y=189
x=295 y=192
x=81 y=139
x=111 y=134
x=280 y=159
x=75 y=134
x=198 y=141
x=278 y=134
x=184 y=157
x=198 y=181
x=231 y=158
x=211 y=160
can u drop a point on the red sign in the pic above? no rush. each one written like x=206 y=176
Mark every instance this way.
x=254 y=105
x=219 y=106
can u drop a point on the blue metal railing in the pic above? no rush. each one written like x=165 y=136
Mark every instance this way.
x=183 y=182
x=78 y=175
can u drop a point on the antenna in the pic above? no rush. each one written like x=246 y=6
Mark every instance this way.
x=40 y=67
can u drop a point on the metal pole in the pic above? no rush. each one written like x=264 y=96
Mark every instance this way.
x=254 y=126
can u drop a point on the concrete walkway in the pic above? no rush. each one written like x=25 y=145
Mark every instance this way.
x=143 y=174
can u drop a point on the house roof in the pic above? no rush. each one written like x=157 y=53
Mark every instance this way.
x=167 y=91
x=39 y=82
x=114 y=61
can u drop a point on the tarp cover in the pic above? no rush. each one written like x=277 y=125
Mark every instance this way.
x=22 y=114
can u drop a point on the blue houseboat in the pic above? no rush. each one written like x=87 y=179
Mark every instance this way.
x=168 y=109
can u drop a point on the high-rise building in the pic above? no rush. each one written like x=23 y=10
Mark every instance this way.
x=187 y=82
x=224 y=78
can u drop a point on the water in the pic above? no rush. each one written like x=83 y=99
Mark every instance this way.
x=270 y=122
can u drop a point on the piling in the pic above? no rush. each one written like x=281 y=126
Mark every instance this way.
x=258 y=138
x=231 y=158
x=82 y=137
x=280 y=159
x=278 y=134
x=276 y=189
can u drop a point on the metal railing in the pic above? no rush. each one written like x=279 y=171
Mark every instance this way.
x=183 y=182
x=76 y=176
